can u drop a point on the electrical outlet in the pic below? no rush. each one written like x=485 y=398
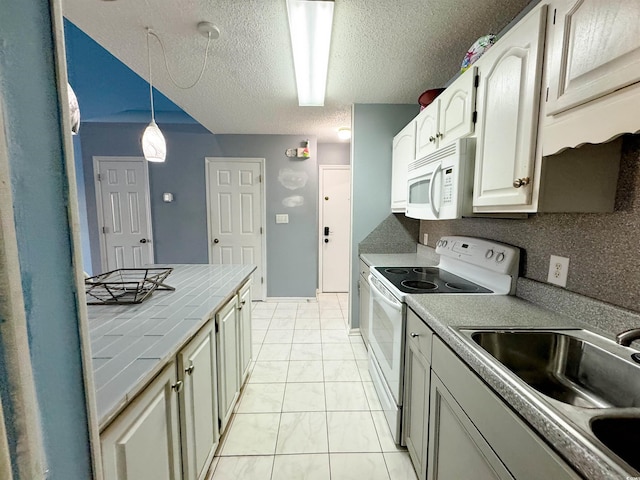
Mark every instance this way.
x=425 y=238
x=558 y=270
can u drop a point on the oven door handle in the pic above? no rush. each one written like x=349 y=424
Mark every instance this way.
x=432 y=187
x=383 y=297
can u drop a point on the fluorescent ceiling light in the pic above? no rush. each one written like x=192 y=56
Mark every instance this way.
x=310 y=23
x=344 y=133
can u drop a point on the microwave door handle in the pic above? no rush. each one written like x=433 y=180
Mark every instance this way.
x=432 y=187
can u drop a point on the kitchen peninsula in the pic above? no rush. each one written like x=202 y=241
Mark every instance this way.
x=176 y=361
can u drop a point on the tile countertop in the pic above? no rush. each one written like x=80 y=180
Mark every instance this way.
x=131 y=344
x=441 y=312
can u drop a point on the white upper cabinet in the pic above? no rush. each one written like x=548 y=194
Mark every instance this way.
x=449 y=117
x=508 y=101
x=593 y=70
x=403 y=153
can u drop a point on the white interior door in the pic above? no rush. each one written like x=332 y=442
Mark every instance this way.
x=124 y=216
x=335 y=227
x=235 y=198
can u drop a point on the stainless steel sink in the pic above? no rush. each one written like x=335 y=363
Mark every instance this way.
x=566 y=368
x=587 y=380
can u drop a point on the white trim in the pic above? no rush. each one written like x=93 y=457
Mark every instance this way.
x=292 y=299
x=258 y=286
x=321 y=168
x=100 y=213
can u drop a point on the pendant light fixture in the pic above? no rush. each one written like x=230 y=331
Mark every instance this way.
x=154 y=145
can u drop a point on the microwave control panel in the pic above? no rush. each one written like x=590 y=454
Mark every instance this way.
x=447 y=185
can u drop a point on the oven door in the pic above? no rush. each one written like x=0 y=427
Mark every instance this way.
x=386 y=335
x=425 y=193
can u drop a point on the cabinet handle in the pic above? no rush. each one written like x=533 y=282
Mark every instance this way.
x=432 y=139
x=439 y=135
x=414 y=335
x=519 y=182
x=189 y=370
x=242 y=304
x=177 y=387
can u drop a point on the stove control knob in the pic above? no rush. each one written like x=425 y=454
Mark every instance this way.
x=489 y=254
x=439 y=243
x=444 y=243
x=500 y=257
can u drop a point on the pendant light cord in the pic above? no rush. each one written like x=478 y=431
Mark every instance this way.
x=166 y=64
x=153 y=119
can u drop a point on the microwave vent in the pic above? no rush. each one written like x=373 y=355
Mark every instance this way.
x=437 y=155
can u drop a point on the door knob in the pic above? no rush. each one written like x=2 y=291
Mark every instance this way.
x=143 y=240
x=326 y=231
x=215 y=240
x=326 y=240
x=520 y=182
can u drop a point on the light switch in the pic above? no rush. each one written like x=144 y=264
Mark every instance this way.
x=282 y=218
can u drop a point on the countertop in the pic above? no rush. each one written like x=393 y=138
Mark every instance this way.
x=441 y=312
x=130 y=344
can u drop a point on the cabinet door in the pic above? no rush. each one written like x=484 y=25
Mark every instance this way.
x=228 y=371
x=595 y=50
x=245 y=330
x=456 y=448
x=427 y=129
x=508 y=101
x=363 y=287
x=198 y=406
x=404 y=149
x=416 y=407
x=457 y=104
x=143 y=442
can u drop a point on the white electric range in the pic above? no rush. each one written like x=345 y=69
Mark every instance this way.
x=468 y=266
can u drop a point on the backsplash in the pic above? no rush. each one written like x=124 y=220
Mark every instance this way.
x=603 y=248
x=395 y=234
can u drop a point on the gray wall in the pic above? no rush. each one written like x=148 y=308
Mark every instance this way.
x=373 y=129
x=40 y=195
x=602 y=248
x=180 y=228
x=334 y=153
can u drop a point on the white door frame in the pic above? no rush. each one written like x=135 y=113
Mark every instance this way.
x=100 y=216
x=258 y=289
x=321 y=215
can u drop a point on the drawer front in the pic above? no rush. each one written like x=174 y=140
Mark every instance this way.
x=364 y=269
x=419 y=334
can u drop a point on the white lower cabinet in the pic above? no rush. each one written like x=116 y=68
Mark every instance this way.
x=143 y=442
x=228 y=360
x=244 y=324
x=198 y=403
x=364 y=292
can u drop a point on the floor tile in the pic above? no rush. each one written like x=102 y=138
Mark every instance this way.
x=287 y=306
x=279 y=336
x=399 y=466
x=357 y=466
x=305 y=371
x=341 y=371
x=306 y=351
x=331 y=312
x=304 y=397
x=307 y=336
x=252 y=434
x=363 y=368
x=344 y=396
x=255 y=349
x=337 y=351
x=257 y=335
x=274 y=351
x=260 y=323
x=352 y=432
x=359 y=351
x=302 y=432
x=246 y=468
x=384 y=433
x=335 y=336
x=269 y=372
x=332 y=324
x=307 y=324
x=308 y=314
x=262 y=398
x=285 y=323
x=372 y=396
x=301 y=467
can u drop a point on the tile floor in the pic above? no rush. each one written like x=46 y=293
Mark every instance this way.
x=309 y=410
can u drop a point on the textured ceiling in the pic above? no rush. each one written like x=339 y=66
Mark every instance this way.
x=381 y=52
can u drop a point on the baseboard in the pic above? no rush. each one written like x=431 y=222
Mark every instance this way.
x=292 y=299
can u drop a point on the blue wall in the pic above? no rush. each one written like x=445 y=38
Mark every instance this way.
x=373 y=128
x=180 y=227
x=40 y=193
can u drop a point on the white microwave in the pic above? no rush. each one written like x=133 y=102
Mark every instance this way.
x=440 y=185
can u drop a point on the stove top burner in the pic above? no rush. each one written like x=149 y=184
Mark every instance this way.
x=428 y=280
x=397 y=271
x=419 y=285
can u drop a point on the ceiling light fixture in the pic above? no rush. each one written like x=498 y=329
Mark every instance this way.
x=154 y=145
x=344 y=133
x=310 y=23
